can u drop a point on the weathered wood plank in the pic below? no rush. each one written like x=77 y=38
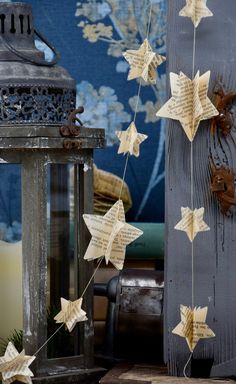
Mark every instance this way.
x=214 y=260
x=144 y=374
x=19 y=130
x=48 y=143
x=34 y=249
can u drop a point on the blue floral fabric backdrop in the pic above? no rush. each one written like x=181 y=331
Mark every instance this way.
x=91 y=36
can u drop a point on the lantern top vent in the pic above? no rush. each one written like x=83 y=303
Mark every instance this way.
x=32 y=90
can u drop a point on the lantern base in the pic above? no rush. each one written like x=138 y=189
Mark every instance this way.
x=80 y=376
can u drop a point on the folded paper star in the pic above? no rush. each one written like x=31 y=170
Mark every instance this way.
x=192 y=222
x=71 y=313
x=15 y=366
x=193 y=325
x=189 y=102
x=196 y=10
x=130 y=140
x=110 y=235
x=143 y=62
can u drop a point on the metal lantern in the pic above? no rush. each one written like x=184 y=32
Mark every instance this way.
x=56 y=156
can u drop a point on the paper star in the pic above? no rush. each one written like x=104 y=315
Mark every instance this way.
x=71 y=313
x=196 y=10
x=193 y=325
x=143 y=62
x=130 y=140
x=192 y=222
x=15 y=366
x=189 y=102
x=110 y=235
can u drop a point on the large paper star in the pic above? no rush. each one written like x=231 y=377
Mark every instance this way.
x=196 y=10
x=110 y=235
x=193 y=325
x=192 y=222
x=71 y=313
x=130 y=140
x=189 y=102
x=15 y=366
x=143 y=62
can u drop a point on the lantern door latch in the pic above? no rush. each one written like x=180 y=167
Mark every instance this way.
x=223 y=186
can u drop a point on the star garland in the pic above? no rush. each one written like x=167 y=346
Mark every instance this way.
x=110 y=233
x=190 y=105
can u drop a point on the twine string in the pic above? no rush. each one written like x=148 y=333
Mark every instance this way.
x=186 y=365
x=92 y=277
x=191 y=168
x=192 y=201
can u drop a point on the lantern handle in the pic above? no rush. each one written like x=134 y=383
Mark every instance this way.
x=30 y=59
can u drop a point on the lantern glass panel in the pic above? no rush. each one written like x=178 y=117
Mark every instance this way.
x=62 y=256
x=11 y=318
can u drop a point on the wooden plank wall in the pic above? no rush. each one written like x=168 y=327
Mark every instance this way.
x=215 y=251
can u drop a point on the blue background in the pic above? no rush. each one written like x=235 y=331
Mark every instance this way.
x=95 y=60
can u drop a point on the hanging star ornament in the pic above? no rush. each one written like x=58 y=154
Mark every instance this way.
x=189 y=102
x=71 y=313
x=15 y=366
x=193 y=325
x=130 y=140
x=143 y=62
x=196 y=10
x=110 y=235
x=192 y=222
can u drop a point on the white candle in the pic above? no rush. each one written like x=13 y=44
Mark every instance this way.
x=11 y=314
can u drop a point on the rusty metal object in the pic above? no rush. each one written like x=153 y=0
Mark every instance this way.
x=223 y=186
x=72 y=144
x=223 y=103
x=71 y=129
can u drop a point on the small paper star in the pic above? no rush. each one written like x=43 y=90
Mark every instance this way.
x=15 y=366
x=110 y=235
x=71 y=313
x=193 y=325
x=130 y=140
x=196 y=10
x=189 y=102
x=143 y=62
x=192 y=222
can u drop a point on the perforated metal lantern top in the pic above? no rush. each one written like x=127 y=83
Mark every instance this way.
x=32 y=90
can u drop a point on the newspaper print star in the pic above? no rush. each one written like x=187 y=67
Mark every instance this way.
x=130 y=140
x=143 y=62
x=110 y=235
x=15 y=366
x=193 y=325
x=196 y=10
x=192 y=222
x=71 y=313
x=189 y=102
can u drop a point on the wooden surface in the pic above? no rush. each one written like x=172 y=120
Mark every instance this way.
x=143 y=374
x=214 y=251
